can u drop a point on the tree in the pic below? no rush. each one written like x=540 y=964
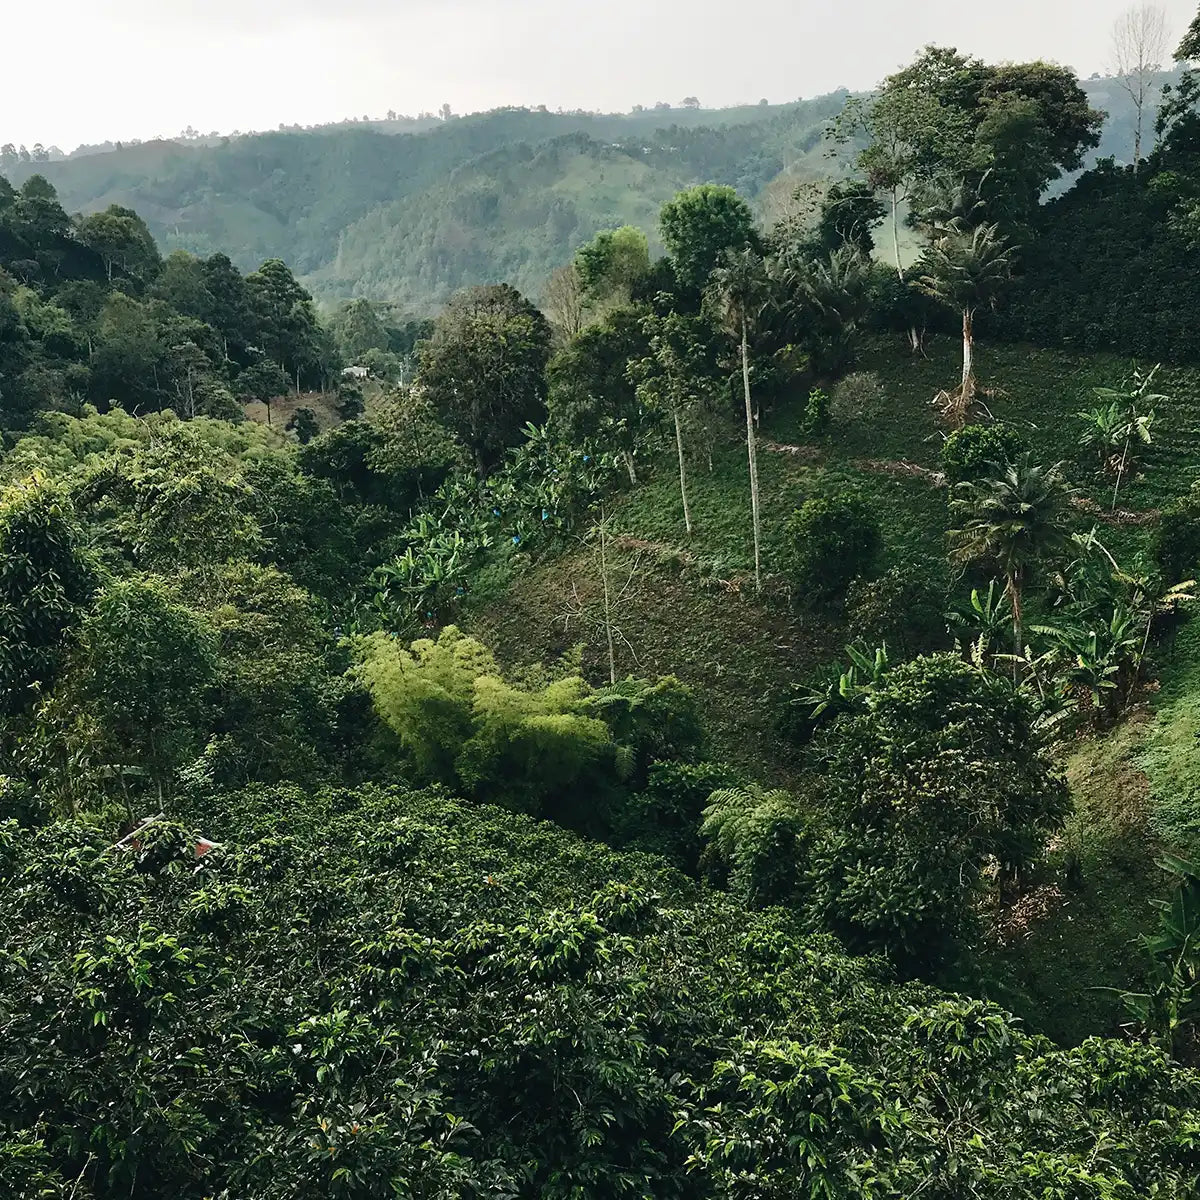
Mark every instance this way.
x=909 y=131
x=120 y=237
x=1012 y=520
x=263 y=381
x=611 y=266
x=1015 y=127
x=740 y=291
x=965 y=270
x=699 y=226
x=484 y=370
x=357 y=329
x=940 y=776
x=231 y=313
x=564 y=301
x=46 y=581
x=675 y=378
x=592 y=398
x=1140 y=47
x=304 y=425
x=136 y=683
x=286 y=321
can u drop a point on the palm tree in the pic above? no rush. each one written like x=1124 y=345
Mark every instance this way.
x=1012 y=519
x=739 y=291
x=965 y=269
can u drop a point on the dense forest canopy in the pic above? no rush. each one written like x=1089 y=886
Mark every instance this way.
x=708 y=711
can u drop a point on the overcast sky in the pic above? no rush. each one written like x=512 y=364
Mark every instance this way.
x=88 y=70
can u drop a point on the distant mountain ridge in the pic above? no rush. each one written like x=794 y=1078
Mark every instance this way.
x=508 y=195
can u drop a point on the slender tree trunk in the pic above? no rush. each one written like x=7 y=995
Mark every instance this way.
x=967 y=392
x=1018 y=616
x=630 y=467
x=1121 y=470
x=752 y=453
x=608 y=628
x=687 y=511
x=896 y=233
x=1137 y=133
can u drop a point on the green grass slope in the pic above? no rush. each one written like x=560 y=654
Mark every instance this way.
x=692 y=611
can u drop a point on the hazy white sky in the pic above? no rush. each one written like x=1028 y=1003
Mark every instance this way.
x=86 y=70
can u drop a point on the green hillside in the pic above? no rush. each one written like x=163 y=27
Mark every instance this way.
x=376 y=210
x=723 y=729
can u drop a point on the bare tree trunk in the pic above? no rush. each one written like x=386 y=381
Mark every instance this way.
x=608 y=627
x=752 y=452
x=1137 y=135
x=630 y=467
x=896 y=233
x=687 y=511
x=967 y=391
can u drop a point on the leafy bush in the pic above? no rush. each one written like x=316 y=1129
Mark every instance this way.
x=1176 y=541
x=663 y=817
x=904 y=608
x=831 y=540
x=932 y=775
x=941 y=776
x=858 y=395
x=968 y=453
x=816 y=412
x=360 y=993
x=553 y=749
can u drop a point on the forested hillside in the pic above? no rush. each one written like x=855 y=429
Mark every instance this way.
x=495 y=197
x=724 y=726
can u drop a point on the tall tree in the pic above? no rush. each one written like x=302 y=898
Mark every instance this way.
x=484 y=369
x=611 y=265
x=287 y=327
x=1140 y=46
x=120 y=237
x=675 y=378
x=739 y=292
x=699 y=226
x=965 y=270
x=592 y=397
x=563 y=302
x=1012 y=519
x=45 y=583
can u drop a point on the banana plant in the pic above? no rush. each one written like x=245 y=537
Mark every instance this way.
x=1125 y=417
x=1170 y=1010
x=987 y=618
x=847 y=690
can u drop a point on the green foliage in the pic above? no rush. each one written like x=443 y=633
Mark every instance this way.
x=483 y=370
x=700 y=226
x=939 y=777
x=653 y=722
x=381 y=988
x=975 y=451
x=45 y=582
x=593 y=400
x=612 y=265
x=1176 y=543
x=758 y=845
x=832 y=540
x=816 y=412
x=1171 y=1009
x=904 y=607
x=535 y=751
x=132 y=699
